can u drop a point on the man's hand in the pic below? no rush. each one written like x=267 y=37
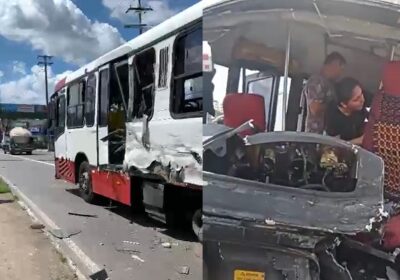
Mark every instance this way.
x=357 y=141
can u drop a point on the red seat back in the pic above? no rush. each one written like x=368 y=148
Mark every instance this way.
x=391 y=233
x=240 y=108
x=382 y=133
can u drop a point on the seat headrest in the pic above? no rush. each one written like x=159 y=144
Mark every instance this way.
x=391 y=78
x=240 y=108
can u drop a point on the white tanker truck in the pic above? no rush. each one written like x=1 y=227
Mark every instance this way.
x=19 y=140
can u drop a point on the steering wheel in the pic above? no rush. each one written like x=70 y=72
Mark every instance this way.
x=315 y=187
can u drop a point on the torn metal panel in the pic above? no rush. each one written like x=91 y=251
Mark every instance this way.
x=257 y=255
x=234 y=231
x=172 y=152
x=348 y=213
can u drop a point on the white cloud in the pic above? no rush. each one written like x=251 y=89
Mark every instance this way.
x=30 y=89
x=58 y=28
x=19 y=67
x=1 y=74
x=162 y=11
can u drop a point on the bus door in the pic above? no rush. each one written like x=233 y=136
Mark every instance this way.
x=90 y=132
x=60 y=139
x=102 y=114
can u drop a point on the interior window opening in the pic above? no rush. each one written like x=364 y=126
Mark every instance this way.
x=144 y=85
x=187 y=94
x=242 y=80
x=219 y=82
x=278 y=125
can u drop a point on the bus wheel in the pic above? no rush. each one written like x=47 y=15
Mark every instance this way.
x=197 y=224
x=85 y=182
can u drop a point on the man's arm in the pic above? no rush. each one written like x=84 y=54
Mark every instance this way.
x=357 y=141
x=315 y=98
x=316 y=107
x=332 y=126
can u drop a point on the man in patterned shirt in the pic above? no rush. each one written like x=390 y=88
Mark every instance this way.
x=319 y=92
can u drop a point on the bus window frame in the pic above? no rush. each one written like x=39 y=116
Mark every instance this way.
x=135 y=78
x=164 y=60
x=60 y=130
x=199 y=114
x=100 y=97
x=234 y=84
x=80 y=104
x=124 y=102
x=93 y=112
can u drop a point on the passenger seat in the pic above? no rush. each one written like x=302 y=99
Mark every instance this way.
x=242 y=107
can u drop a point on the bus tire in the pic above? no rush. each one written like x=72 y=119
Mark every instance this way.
x=197 y=224
x=85 y=182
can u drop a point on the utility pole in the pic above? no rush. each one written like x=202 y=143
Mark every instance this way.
x=45 y=60
x=140 y=10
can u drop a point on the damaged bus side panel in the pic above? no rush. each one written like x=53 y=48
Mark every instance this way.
x=158 y=144
x=164 y=128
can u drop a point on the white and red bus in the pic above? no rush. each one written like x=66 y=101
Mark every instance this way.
x=128 y=125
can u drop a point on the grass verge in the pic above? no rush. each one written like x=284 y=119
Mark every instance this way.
x=4 y=187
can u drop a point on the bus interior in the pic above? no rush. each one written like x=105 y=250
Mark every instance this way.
x=256 y=42
x=268 y=49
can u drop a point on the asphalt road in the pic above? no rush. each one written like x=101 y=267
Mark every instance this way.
x=127 y=246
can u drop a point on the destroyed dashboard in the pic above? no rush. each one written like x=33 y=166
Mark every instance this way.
x=295 y=179
x=299 y=165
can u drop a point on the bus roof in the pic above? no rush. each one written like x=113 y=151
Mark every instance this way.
x=183 y=18
x=393 y=3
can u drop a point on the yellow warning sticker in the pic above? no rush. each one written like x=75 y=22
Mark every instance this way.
x=248 y=275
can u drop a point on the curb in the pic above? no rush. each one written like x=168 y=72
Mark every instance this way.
x=81 y=265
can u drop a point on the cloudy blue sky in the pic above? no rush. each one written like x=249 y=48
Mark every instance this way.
x=73 y=31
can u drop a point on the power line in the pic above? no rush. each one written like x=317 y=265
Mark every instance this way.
x=139 y=10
